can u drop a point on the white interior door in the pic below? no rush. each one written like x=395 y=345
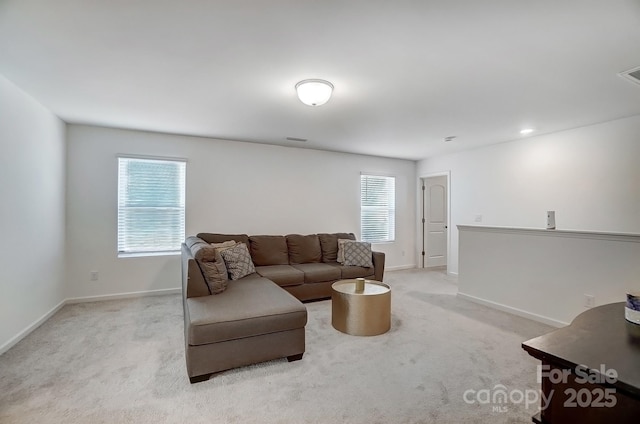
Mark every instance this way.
x=435 y=226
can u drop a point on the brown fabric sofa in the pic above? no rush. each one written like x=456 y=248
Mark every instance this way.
x=260 y=316
x=303 y=265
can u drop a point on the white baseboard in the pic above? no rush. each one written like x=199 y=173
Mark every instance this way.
x=514 y=311
x=399 y=267
x=412 y=266
x=24 y=333
x=128 y=295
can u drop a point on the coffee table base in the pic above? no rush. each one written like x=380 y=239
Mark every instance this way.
x=366 y=313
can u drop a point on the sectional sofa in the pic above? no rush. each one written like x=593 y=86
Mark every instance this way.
x=260 y=316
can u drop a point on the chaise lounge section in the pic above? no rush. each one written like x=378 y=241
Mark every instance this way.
x=252 y=321
x=260 y=316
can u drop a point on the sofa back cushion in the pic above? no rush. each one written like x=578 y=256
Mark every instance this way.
x=269 y=250
x=329 y=245
x=304 y=249
x=221 y=238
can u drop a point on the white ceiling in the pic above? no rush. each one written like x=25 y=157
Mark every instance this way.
x=407 y=74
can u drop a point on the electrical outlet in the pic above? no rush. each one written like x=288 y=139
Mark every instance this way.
x=478 y=218
x=589 y=301
x=94 y=275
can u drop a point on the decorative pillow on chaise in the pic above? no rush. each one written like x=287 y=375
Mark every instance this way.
x=357 y=253
x=238 y=261
x=210 y=262
x=215 y=275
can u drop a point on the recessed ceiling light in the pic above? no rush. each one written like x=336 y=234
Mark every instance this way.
x=296 y=139
x=526 y=131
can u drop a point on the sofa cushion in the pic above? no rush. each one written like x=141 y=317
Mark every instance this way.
x=304 y=249
x=358 y=253
x=269 y=250
x=348 y=272
x=282 y=275
x=318 y=273
x=238 y=261
x=329 y=245
x=221 y=238
x=249 y=307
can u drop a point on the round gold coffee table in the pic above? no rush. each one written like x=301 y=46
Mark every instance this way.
x=361 y=313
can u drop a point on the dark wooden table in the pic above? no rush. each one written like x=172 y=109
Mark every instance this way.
x=582 y=359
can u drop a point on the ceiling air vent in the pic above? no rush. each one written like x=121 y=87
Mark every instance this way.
x=632 y=75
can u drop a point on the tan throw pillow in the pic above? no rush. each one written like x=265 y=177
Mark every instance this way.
x=238 y=261
x=358 y=253
x=219 y=238
x=341 y=243
x=215 y=274
x=224 y=245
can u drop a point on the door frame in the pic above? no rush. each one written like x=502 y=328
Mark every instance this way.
x=420 y=207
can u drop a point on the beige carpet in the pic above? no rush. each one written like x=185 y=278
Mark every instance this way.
x=122 y=361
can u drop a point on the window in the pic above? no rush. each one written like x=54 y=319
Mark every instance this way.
x=377 y=208
x=151 y=197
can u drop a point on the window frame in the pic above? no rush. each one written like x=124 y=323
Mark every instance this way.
x=182 y=188
x=390 y=210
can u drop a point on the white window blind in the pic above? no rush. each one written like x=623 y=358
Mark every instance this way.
x=151 y=199
x=377 y=208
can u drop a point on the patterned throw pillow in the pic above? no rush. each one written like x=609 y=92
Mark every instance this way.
x=358 y=253
x=238 y=261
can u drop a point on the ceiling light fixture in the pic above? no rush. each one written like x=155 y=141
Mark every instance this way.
x=314 y=92
x=526 y=131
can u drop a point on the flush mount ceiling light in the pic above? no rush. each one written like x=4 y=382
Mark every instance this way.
x=526 y=131
x=314 y=92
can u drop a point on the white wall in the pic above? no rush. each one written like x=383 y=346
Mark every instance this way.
x=231 y=187
x=545 y=274
x=590 y=176
x=32 y=213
